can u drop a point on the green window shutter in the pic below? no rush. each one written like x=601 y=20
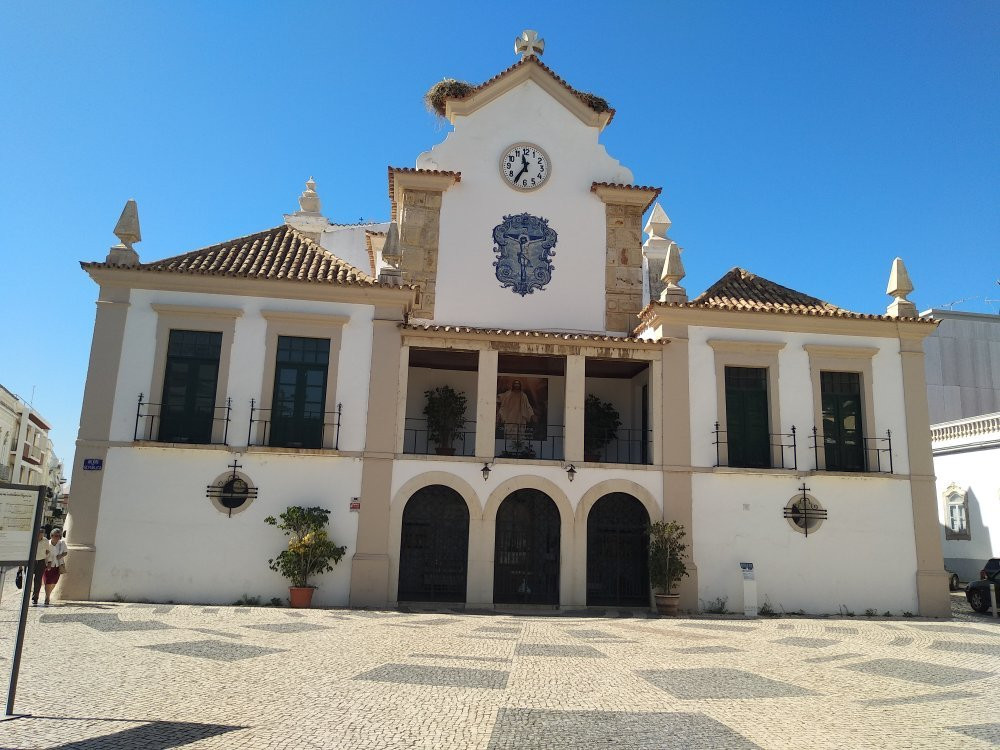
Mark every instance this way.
x=297 y=407
x=843 y=425
x=747 y=429
x=191 y=375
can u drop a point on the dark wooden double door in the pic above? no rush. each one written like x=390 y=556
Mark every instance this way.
x=618 y=552
x=434 y=547
x=526 y=556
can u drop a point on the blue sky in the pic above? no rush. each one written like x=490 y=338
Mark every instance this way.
x=808 y=142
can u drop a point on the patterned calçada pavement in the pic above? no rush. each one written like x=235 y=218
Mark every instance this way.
x=164 y=676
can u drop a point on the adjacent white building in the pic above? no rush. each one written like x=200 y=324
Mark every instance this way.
x=298 y=366
x=26 y=452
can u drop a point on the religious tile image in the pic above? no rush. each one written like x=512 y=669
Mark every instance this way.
x=419 y=674
x=712 y=683
x=540 y=729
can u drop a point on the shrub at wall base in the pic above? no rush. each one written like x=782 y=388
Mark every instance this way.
x=310 y=550
x=667 y=551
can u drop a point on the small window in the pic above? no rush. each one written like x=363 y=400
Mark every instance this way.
x=804 y=514
x=232 y=492
x=957 y=505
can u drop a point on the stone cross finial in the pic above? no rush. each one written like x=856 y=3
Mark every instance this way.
x=527 y=43
x=309 y=200
x=673 y=271
x=127 y=232
x=898 y=287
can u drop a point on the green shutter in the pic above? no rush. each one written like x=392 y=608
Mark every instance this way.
x=747 y=430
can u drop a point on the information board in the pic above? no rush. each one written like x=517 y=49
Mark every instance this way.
x=17 y=514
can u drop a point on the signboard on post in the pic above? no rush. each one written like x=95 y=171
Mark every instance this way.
x=749 y=589
x=20 y=519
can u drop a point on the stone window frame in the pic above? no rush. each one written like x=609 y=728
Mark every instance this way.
x=830 y=358
x=193 y=318
x=306 y=325
x=954 y=496
x=739 y=353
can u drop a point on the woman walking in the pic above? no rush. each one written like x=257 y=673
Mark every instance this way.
x=55 y=562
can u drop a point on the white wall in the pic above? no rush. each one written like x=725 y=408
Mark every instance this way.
x=795 y=390
x=160 y=538
x=863 y=556
x=246 y=370
x=975 y=471
x=574 y=299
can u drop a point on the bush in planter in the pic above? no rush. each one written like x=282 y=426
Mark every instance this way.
x=667 y=551
x=600 y=426
x=310 y=551
x=445 y=412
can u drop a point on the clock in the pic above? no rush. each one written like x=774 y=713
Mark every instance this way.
x=525 y=166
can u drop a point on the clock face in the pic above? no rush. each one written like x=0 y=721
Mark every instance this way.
x=525 y=166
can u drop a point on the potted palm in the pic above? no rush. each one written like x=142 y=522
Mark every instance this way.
x=445 y=412
x=310 y=550
x=667 y=551
x=600 y=426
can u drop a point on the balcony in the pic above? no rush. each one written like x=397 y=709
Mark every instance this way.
x=305 y=429
x=195 y=424
x=855 y=453
x=778 y=451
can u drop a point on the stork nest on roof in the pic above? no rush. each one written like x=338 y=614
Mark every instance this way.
x=442 y=91
x=595 y=102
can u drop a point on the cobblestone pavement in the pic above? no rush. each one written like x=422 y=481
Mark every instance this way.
x=163 y=676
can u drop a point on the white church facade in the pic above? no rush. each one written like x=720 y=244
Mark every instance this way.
x=310 y=361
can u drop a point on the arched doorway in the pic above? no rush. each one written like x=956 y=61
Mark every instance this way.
x=618 y=552
x=434 y=546
x=526 y=556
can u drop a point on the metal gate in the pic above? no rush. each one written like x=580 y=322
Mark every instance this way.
x=434 y=546
x=618 y=552
x=526 y=563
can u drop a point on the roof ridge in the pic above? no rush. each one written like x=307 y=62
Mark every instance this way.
x=738 y=284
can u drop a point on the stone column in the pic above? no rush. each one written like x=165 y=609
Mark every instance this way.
x=576 y=393
x=623 y=270
x=370 y=564
x=486 y=404
x=93 y=440
x=678 y=493
x=932 y=581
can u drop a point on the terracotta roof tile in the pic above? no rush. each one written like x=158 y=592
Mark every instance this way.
x=532 y=59
x=741 y=290
x=278 y=253
x=564 y=336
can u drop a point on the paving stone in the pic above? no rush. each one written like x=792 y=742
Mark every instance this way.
x=558 y=650
x=288 y=627
x=214 y=650
x=927 y=698
x=497 y=629
x=717 y=626
x=901 y=641
x=986 y=649
x=918 y=671
x=106 y=623
x=532 y=729
x=587 y=634
x=460 y=658
x=988 y=733
x=706 y=650
x=807 y=642
x=418 y=674
x=710 y=683
x=841 y=630
x=834 y=657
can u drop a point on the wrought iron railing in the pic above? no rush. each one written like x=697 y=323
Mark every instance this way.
x=785 y=442
x=545 y=442
x=416 y=439
x=873 y=455
x=196 y=427
x=322 y=431
x=625 y=445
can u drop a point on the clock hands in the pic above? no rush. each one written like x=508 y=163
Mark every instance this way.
x=524 y=161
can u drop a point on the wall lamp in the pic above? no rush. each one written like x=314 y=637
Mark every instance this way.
x=571 y=472
x=486 y=470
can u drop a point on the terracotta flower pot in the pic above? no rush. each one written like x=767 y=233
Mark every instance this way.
x=666 y=604
x=301 y=596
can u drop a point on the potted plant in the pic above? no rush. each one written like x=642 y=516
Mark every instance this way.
x=600 y=426
x=445 y=412
x=310 y=550
x=667 y=552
